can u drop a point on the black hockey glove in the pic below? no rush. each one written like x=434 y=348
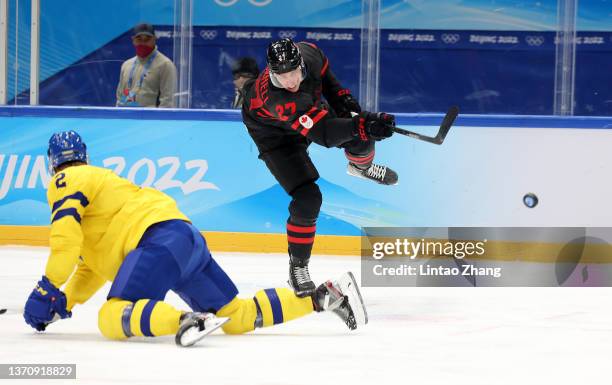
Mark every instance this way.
x=345 y=104
x=373 y=126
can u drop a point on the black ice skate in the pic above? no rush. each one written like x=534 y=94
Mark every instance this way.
x=195 y=326
x=344 y=299
x=299 y=278
x=377 y=173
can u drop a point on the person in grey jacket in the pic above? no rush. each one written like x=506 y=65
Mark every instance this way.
x=149 y=78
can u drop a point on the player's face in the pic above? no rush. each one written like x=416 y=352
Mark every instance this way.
x=143 y=39
x=290 y=80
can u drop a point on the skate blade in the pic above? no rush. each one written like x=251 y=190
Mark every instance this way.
x=349 y=287
x=192 y=335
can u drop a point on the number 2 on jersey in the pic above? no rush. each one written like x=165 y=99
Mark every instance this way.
x=59 y=181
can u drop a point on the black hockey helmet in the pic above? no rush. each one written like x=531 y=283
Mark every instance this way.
x=246 y=67
x=283 y=56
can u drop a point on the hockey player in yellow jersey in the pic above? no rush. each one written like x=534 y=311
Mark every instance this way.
x=105 y=228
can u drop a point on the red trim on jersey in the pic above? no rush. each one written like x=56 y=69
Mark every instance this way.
x=315 y=120
x=261 y=91
x=311 y=111
x=263 y=113
x=296 y=124
x=256 y=103
x=268 y=113
x=301 y=229
x=319 y=116
x=303 y=241
x=310 y=44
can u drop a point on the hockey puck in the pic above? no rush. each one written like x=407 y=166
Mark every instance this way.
x=2 y=311
x=530 y=200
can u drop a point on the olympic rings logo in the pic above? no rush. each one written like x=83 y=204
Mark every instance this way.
x=534 y=41
x=229 y=3
x=450 y=38
x=208 y=34
x=287 y=34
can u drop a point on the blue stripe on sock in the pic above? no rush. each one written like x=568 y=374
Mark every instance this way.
x=277 y=309
x=145 y=318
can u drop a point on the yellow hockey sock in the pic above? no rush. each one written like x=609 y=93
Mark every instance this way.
x=119 y=319
x=281 y=305
x=273 y=306
x=242 y=314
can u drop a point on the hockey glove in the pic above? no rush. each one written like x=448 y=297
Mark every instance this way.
x=44 y=303
x=373 y=126
x=345 y=104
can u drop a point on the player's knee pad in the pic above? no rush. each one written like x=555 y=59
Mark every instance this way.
x=110 y=318
x=242 y=314
x=119 y=319
x=306 y=203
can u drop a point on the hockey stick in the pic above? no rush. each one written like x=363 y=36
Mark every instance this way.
x=447 y=123
x=2 y=311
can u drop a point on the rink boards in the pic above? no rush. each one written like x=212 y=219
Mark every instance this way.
x=207 y=162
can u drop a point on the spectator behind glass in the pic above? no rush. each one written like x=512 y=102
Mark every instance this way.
x=149 y=78
x=243 y=69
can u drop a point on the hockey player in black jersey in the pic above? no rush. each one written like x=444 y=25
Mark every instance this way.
x=284 y=112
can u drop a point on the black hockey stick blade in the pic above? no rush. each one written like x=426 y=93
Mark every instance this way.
x=2 y=311
x=415 y=135
x=446 y=125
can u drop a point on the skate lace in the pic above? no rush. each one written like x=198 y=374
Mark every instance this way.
x=377 y=171
x=301 y=274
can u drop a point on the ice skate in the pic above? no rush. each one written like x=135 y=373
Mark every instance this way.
x=299 y=278
x=377 y=173
x=195 y=326
x=344 y=299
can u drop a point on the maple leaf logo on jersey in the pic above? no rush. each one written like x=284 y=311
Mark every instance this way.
x=306 y=122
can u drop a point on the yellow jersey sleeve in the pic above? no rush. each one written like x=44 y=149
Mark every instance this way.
x=82 y=285
x=68 y=195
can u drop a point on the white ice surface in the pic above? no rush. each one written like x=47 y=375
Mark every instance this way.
x=415 y=336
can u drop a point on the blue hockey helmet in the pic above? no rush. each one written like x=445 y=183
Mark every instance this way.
x=64 y=147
